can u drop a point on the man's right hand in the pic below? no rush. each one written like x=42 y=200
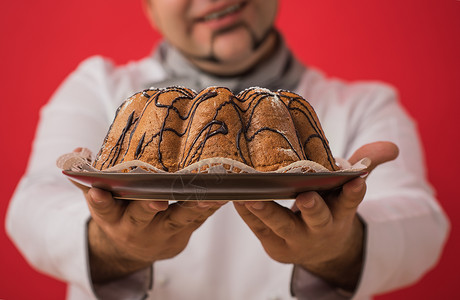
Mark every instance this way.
x=126 y=236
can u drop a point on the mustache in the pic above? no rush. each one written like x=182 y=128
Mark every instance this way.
x=255 y=41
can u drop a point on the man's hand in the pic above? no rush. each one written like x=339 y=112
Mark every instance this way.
x=125 y=236
x=322 y=234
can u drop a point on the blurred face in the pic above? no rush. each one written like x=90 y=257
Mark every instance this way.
x=214 y=31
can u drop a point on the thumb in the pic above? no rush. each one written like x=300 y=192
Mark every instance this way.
x=377 y=152
x=102 y=205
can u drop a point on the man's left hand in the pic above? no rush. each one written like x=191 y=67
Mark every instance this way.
x=322 y=234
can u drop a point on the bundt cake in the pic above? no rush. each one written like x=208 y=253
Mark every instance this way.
x=175 y=127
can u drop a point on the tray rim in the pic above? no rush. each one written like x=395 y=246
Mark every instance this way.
x=128 y=191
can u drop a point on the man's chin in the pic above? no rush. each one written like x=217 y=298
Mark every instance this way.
x=232 y=48
x=233 y=58
x=232 y=52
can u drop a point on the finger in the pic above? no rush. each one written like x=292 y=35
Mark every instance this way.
x=279 y=219
x=188 y=214
x=378 y=153
x=344 y=207
x=314 y=211
x=264 y=233
x=102 y=206
x=141 y=213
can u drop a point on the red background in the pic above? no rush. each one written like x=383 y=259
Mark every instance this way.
x=412 y=44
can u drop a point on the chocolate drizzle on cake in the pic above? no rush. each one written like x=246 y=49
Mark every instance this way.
x=315 y=137
x=173 y=128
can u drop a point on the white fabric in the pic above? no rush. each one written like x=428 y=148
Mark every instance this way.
x=405 y=226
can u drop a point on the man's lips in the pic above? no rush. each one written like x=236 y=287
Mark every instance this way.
x=222 y=12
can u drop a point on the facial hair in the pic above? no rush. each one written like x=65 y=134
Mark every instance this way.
x=256 y=42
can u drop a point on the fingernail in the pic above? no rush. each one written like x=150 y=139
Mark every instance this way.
x=258 y=205
x=159 y=205
x=203 y=204
x=153 y=206
x=364 y=175
x=306 y=200
x=96 y=196
x=309 y=203
x=357 y=186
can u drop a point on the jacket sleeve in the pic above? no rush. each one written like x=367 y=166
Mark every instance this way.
x=47 y=215
x=405 y=227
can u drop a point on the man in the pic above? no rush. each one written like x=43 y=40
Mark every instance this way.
x=313 y=247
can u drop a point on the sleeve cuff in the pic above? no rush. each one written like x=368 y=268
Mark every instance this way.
x=306 y=286
x=134 y=286
x=137 y=285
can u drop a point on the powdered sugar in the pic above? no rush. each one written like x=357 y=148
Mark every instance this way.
x=288 y=152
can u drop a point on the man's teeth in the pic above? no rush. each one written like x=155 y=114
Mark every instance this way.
x=219 y=14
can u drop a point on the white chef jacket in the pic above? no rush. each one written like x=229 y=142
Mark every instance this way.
x=405 y=226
